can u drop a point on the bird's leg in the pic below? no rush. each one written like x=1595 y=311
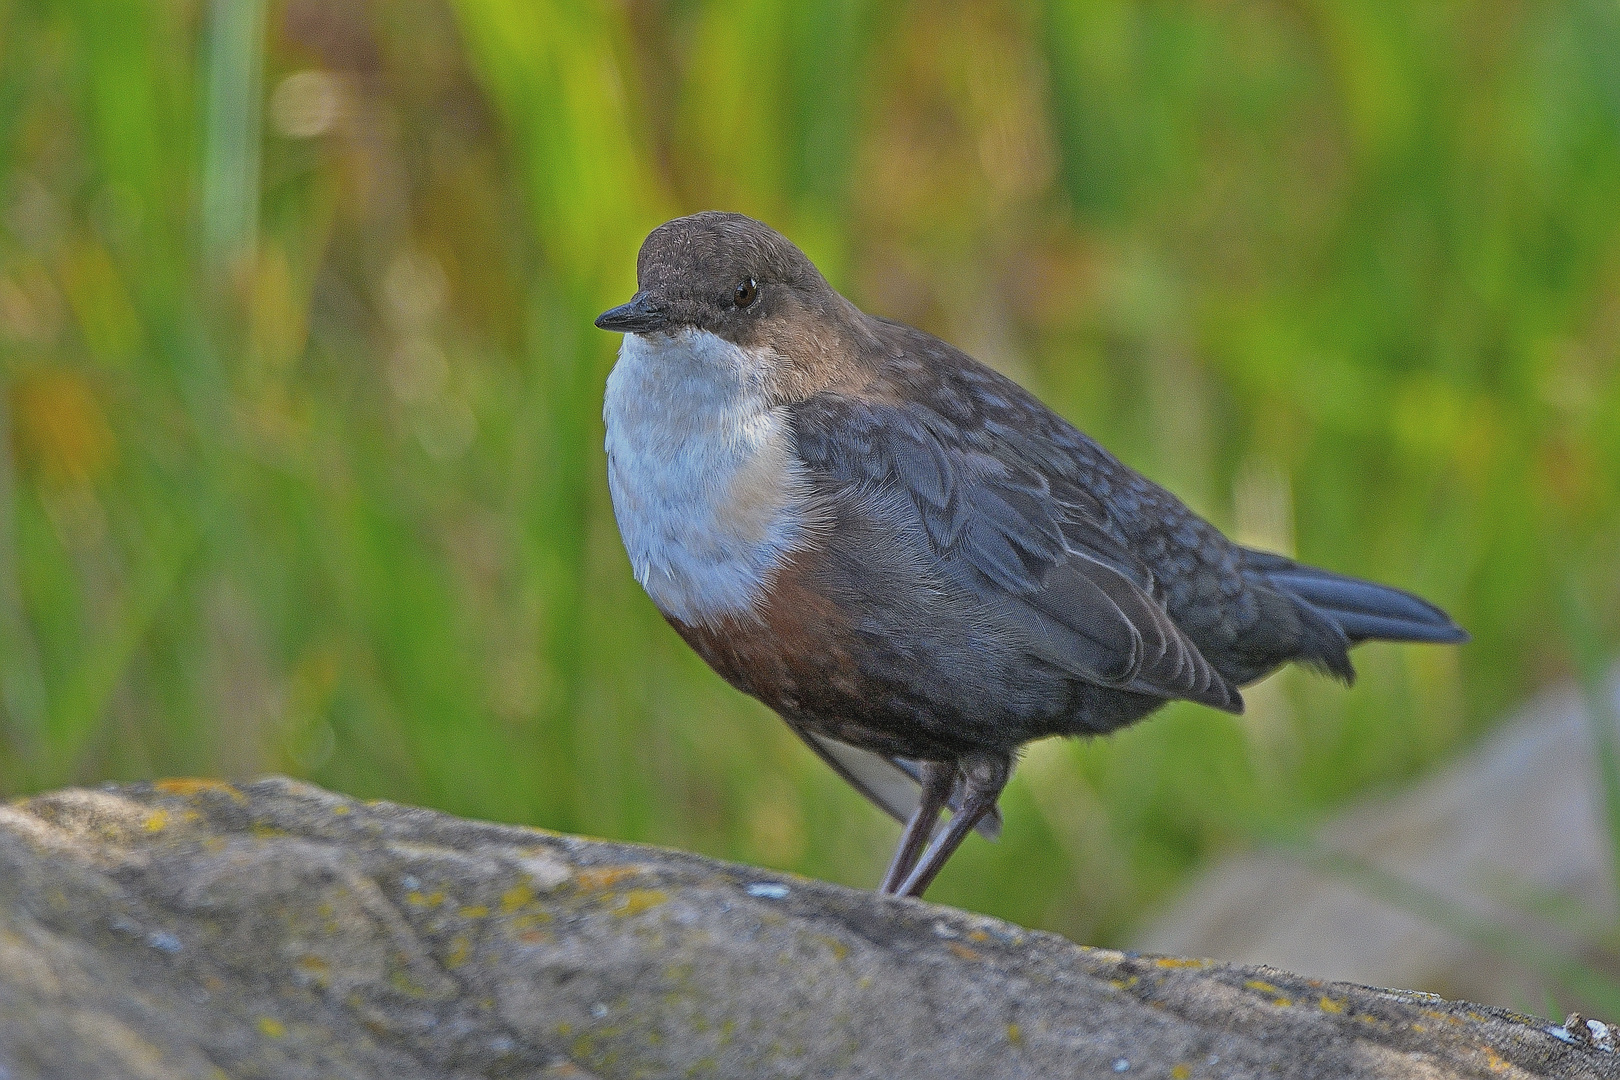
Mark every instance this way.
x=984 y=774
x=939 y=777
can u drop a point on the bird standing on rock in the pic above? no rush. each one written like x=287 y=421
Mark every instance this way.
x=909 y=557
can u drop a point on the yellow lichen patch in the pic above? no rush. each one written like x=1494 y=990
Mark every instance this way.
x=340 y=809
x=516 y=897
x=586 y=1046
x=313 y=968
x=1180 y=962
x=417 y=898
x=1124 y=984
x=1180 y=1071
x=1266 y=988
x=265 y=831
x=190 y=785
x=1494 y=1060
x=406 y=984
x=1015 y=1035
x=473 y=911
x=604 y=877
x=460 y=949
x=638 y=900
x=273 y=1029
x=1330 y=1005
x=978 y=936
x=155 y=821
x=528 y=921
x=963 y=952
x=838 y=948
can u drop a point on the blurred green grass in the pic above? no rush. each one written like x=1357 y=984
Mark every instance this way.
x=300 y=462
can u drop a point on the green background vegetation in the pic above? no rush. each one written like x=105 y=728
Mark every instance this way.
x=300 y=437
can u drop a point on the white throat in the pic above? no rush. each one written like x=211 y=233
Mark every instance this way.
x=708 y=492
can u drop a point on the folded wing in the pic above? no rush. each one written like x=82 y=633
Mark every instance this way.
x=1038 y=550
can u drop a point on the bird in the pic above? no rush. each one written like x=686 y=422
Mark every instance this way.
x=907 y=556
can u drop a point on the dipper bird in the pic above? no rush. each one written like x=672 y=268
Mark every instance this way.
x=918 y=565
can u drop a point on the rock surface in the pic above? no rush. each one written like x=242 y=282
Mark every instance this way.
x=193 y=929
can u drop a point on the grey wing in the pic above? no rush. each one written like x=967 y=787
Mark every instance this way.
x=1035 y=547
x=890 y=783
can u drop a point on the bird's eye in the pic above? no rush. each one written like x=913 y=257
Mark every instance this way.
x=747 y=290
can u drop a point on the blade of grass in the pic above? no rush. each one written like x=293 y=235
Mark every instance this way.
x=230 y=195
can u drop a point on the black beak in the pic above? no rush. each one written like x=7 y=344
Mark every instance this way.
x=640 y=316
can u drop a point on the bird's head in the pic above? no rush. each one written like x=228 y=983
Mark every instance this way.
x=740 y=280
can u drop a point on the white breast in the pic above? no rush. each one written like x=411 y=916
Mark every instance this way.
x=707 y=490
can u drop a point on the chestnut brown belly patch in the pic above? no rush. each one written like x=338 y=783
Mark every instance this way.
x=839 y=668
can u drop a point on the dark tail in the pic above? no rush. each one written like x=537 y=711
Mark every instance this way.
x=1362 y=610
